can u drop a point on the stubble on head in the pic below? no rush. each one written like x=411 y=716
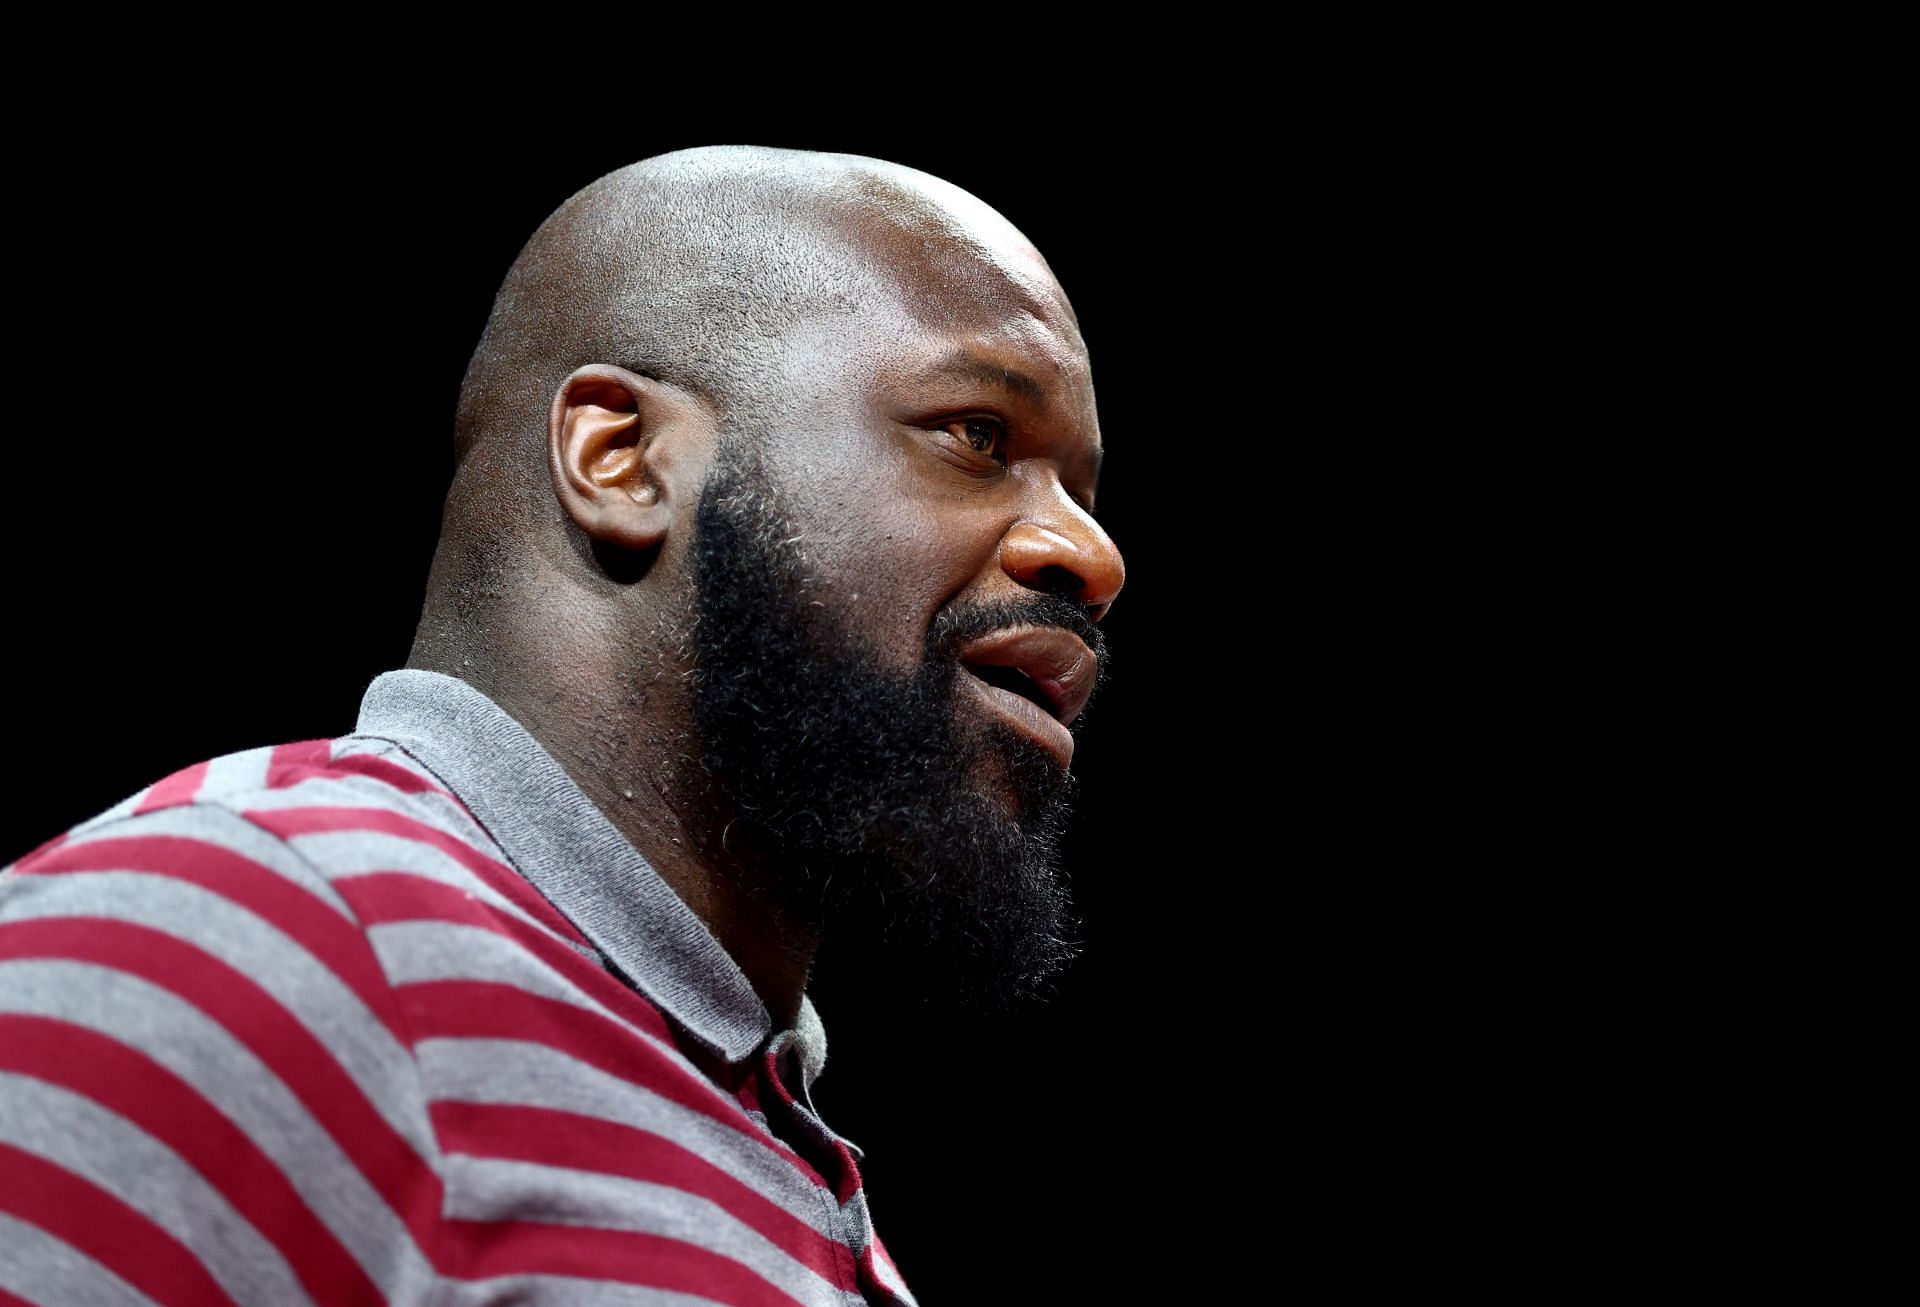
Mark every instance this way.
x=875 y=816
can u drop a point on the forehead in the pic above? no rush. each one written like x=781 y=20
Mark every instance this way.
x=956 y=299
x=946 y=253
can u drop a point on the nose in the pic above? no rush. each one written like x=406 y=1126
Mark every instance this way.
x=1061 y=550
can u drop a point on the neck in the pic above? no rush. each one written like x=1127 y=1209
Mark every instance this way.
x=690 y=850
x=659 y=798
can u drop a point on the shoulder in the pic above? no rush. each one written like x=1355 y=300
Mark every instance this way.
x=202 y=889
x=196 y=1034
x=322 y=881
x=276 y=865
x=307 y=810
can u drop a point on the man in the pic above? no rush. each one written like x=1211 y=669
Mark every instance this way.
x=763 y=607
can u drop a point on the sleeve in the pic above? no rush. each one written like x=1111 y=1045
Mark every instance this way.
x=206 y=1092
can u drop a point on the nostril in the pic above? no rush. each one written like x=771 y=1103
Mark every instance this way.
x=1057 y=580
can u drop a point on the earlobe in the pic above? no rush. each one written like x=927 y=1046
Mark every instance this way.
x=614 y=441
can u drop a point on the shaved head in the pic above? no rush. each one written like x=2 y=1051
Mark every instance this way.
x=692 y=267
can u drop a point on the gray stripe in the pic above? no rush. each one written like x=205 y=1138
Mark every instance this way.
x=197 y=1049
x=444 y=812
x=40 y=1268
x=229 y=830
x=416 y=951
x=489 y=1189
x=353 y=790
x=350 y=854
x=100 y=1146
x=365 y=1049
x=889 y=1276
x=859 y=1224
x=244 y=770
x=559 y=1291
x=346 y=854
x=501 y=1071
x=861 y=1234
x=349 y=789
x=561 y=841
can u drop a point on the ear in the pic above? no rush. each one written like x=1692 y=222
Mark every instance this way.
x=627 y=453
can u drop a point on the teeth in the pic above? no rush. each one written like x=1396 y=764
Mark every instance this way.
x=1015 y=681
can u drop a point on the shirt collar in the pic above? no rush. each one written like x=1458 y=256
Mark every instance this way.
x=562 y=842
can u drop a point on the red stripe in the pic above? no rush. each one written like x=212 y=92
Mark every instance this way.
x=584 y=1143
x=290 y=763
x=502 y=879
x=728 y=1076
x=388 y=897
x=8 y=1300
x=47 y=847
x=172 y=1111
x=269 y=1031
x=850 y=1181
x=181 y=787
x=335 y=942
x=400 y=777
x=477 y=1009
x=371 y=766
x=119 y=1237
x=849 y=1184
x=489 y=1248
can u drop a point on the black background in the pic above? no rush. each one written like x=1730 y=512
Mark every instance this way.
x=230 y=441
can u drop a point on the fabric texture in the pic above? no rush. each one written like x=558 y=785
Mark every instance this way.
x=399 y=1017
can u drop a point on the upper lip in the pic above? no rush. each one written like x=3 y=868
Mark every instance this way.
x=1057 y=661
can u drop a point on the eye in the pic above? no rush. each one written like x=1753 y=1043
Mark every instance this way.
x=981 y=435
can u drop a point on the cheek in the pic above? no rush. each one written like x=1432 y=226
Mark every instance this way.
x=894 y=568
x=929 y=550
x=888 y=538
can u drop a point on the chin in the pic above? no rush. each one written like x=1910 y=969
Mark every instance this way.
x=995 y=775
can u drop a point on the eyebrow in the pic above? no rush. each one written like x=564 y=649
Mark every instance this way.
x=962 y=363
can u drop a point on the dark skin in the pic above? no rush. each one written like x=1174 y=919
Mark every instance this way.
x=940 y=445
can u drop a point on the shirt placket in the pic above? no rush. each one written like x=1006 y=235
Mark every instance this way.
x=829 y=1153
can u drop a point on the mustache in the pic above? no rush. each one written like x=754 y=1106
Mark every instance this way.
x=955 y=626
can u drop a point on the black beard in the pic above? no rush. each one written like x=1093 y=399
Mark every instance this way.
x=874 y=817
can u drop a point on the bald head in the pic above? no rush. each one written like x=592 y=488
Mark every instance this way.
x=691 y=267
x=696 y=269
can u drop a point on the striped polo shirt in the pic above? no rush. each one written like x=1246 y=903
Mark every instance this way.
x=399 y=1017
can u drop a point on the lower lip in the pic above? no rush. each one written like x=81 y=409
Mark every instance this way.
x=1028 y=718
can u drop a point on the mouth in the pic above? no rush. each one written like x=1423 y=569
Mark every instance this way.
x=1037 y=678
